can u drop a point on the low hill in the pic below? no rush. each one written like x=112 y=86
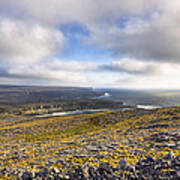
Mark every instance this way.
x=16 y=95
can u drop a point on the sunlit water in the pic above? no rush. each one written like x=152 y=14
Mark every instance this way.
x=142 y=99
x=148 y=99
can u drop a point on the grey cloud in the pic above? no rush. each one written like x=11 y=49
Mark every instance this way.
x=155 y=38
x=55 y=11
x=154 y=44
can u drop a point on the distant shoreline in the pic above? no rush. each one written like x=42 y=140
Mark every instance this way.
x=92 y=111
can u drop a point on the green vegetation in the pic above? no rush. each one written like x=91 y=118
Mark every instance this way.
x=69 y=142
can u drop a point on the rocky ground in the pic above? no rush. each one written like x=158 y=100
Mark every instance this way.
x=135 y=144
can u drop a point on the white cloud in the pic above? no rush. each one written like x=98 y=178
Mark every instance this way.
x=142 y=35
x=140 y=29
x=166 y=77
x=71 y=66
x=53 y=71
x=121 y=74
x=23 y=42
x=131 y=66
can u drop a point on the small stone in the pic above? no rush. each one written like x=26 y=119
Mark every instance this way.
x=85 y=170
x=55 y=170
x=61 y=176
x=66 y=177
x=27 y=176
x=122 y=164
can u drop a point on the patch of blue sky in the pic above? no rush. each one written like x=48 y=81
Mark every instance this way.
x=76 y=47
x=74 y=28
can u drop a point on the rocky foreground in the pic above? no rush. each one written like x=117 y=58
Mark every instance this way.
x=134 y=144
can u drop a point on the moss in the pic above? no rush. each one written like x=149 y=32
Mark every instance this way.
x=45 y=138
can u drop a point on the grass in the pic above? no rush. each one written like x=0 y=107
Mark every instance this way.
x=40 y=141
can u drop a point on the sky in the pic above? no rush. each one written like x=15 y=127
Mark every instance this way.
x=90 y=43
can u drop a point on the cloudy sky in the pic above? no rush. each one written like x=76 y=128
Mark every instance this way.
x=97 y=43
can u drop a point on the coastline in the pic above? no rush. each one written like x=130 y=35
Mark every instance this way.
x=92 y=111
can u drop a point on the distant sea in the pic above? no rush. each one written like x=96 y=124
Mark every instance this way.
x=144 y=99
